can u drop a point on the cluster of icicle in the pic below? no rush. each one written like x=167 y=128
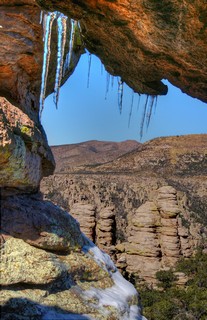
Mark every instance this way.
x=47 y=19
x=150 y=102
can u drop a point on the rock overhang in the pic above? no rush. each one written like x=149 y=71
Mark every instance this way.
x=144 y=42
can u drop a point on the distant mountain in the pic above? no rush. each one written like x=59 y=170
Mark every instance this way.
x=90 y=152
x=167 y=156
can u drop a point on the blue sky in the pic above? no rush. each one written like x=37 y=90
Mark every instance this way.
x=84 y=113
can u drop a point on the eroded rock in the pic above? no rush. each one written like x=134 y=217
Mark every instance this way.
x=25 y=155
x=79 y=283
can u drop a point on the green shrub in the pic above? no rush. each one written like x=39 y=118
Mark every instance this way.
x=166 y=278
x=173 y=303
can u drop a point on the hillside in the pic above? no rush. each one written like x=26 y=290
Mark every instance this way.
x=147 y=208
x=90 y=152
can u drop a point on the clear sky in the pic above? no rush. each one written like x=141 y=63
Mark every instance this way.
x=87 y=114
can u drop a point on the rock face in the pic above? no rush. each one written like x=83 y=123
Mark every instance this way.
x=147 y=208
x=156 y=232
x=25 y=155
x=149 y=41
x=50 y=270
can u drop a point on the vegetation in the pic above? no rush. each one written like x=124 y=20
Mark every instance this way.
x=173 y=302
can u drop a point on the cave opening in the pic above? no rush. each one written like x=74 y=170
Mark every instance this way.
x=89 y=110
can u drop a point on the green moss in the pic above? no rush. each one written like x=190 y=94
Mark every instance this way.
x=25 y=130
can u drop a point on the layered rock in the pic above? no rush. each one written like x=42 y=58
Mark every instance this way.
x=155 y=233
x=105 y=228
x=85 y=215
x=149 y=204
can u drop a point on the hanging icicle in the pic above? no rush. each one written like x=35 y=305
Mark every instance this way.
x=73 y=25
x=62 y=29
x=131 y=108
x=143 y=117
x=48 y=21
x=149 y=112
x=108 y=76
x=155 y=104
x=138 y=102
x=112 y=82
x=120 y=94
x=41 y=16
x=89 y=68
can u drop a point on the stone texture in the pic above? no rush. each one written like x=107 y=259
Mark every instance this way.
x=40 y=284
x=85 y=215
x=22 y=263
x=25 y=155
x=40 y=223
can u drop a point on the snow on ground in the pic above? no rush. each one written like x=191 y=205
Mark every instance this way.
x=120 y=294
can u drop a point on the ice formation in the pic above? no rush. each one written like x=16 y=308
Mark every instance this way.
x=131 y=108
x=120 y=294
x=73 y=25
x=47 y=19
x=62 y=29
x=147 y=113
x=89 y=68
x=47 y=26
x=120 y=94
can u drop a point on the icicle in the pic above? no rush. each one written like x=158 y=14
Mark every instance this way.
x=62 y=29
x=149 y=112
x=48 y=21
x=112 y=81
x=138 y=103
x=107 y=84
x=89 y=69
x=155 y=107
x=120 y=94
x=131 y=108
x=41 y=16
x=143 y=117
x=73 y=26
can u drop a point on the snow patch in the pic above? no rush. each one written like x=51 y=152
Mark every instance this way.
x=117 y=296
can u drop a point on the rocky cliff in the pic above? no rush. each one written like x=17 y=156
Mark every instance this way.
x=49 y=269
x=146 y=208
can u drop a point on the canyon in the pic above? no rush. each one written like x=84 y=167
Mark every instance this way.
x=50 y=270
x=146 y=208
